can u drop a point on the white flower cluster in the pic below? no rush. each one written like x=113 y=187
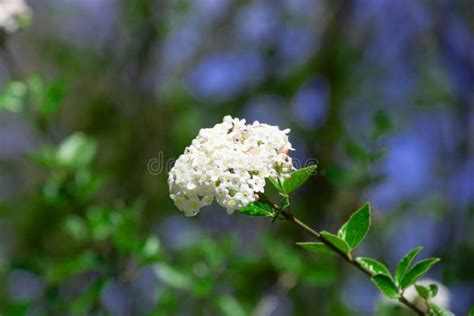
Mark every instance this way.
x=228 y=162
x=11 y=14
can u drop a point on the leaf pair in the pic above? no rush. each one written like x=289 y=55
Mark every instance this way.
x=351 y=234
x=285 y=187
x=407 y=274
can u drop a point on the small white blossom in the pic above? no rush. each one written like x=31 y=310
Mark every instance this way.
x=11 y=14
x=229 y=163
x=441 y=299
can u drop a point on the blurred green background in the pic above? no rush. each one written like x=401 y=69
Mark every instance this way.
x=98 y=96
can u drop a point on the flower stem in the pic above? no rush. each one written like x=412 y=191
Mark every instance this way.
x=288 y=215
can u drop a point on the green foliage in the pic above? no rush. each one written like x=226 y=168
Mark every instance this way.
x=405 y=263
x=386 y=285
x=229 y=306
x=77 y=228
x=356 y=151
x=374 y=266
x=316 y=247
x=357 y=227
x=63 y=269
x=352 y=233
x=287 y=260
x=382 y=123
x=173 y=277
x=12 y=97
x=76 y=151
x=82 y=304
x=46 y=97
x=101 y=222
x=336 y=241
x=471 y=312
x=417 y=271
x=151 y=249
x=297 y=178
x=257 y=208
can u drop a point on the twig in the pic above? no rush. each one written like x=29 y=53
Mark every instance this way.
x=288 y=215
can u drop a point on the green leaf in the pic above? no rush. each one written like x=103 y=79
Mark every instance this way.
x=405 y=264
x=276 y=183
x=297 y=178
x=339 y=243
x=386 y=285
x=257 y=208
x=439 y=311
x=376 y=267
x=357 y=227
x=433 y=289
x=417 y=272
x=316 y=247
x=423 y=291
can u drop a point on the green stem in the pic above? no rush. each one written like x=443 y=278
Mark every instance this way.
x=288 y=215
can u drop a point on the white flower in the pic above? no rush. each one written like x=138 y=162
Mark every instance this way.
x=229 y=163
x=11 y=14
